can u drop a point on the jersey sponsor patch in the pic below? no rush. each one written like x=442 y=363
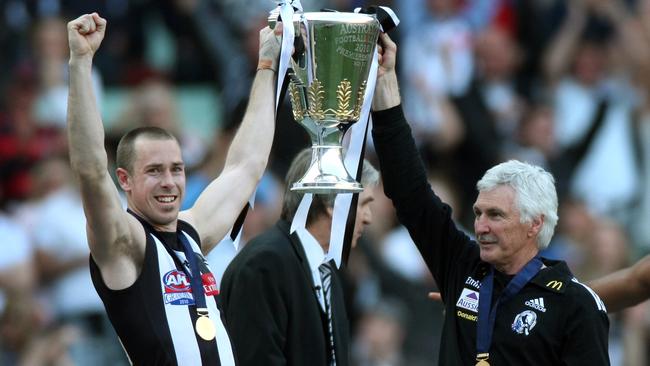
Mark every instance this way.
x=472 y=282
x=524 y=322
x=468 y=300
x=537 y=304
x=209 y=284
x=178 y=290
x=555 y=285
x=464 y=315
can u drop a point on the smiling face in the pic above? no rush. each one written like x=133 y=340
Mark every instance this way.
x=156 y=185
x=504 y=240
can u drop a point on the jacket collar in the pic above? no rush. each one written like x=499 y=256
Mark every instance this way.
x=554 y=277
x=311 y=256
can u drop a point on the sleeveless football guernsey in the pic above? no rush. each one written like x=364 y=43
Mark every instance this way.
x=154 y=318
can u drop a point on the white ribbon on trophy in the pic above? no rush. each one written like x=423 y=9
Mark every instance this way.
x=342 y=202
x=287 y=9
x=300 y=217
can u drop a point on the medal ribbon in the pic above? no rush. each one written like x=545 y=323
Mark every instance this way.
x=487 y=313
x=195 y=277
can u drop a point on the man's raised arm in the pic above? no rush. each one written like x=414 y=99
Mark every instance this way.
x=217 y=208
x=107 y=223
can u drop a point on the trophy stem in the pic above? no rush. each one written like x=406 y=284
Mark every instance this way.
x=327 y=173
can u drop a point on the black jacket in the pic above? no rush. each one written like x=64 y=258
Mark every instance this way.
x=553 y=320
x=272 y=314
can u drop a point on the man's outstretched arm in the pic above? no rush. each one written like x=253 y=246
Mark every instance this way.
x=624 y=288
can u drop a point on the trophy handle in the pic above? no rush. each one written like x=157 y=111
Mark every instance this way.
x=298 y=42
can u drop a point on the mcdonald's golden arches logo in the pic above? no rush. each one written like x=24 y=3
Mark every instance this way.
x=555 y=285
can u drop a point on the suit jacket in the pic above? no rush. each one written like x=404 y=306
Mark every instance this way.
x=272 y=314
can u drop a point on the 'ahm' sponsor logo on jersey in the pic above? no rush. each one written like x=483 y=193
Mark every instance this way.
x=472 y=282
x=537 y=304
x=524 y=322
x=468 y=300
x=178 y=290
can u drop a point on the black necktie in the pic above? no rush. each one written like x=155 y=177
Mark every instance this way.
x=326 y=279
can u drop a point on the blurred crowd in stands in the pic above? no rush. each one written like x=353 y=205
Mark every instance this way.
x=562 y=84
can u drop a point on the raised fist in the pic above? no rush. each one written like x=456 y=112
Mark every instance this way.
x=85 y=34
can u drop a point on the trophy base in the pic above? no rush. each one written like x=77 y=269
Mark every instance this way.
x=326 y=173
x=327 y=187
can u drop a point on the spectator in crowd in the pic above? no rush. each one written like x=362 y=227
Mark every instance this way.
x=490 y=109
x=580 y=73
x=50 y=60
x=381 y=336
x=61 y=253
x=152 y=104
x=18 y=315
x=23 y=143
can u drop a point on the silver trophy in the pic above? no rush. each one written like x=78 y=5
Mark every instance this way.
x=327 y=85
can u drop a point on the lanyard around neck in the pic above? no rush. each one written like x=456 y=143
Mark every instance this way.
x=487 y=313
x=195 y=276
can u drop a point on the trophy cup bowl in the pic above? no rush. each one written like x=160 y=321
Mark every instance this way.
x=327 y=86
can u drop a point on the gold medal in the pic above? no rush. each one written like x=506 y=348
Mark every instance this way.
x=205 y=328
x=481 y=359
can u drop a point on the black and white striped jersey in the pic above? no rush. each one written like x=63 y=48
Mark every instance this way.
x=154 y=318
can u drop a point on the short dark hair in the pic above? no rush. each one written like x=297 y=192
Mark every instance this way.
x=126 y=147
x=320 y=202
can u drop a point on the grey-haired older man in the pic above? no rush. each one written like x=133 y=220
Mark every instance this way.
x=505 y=305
